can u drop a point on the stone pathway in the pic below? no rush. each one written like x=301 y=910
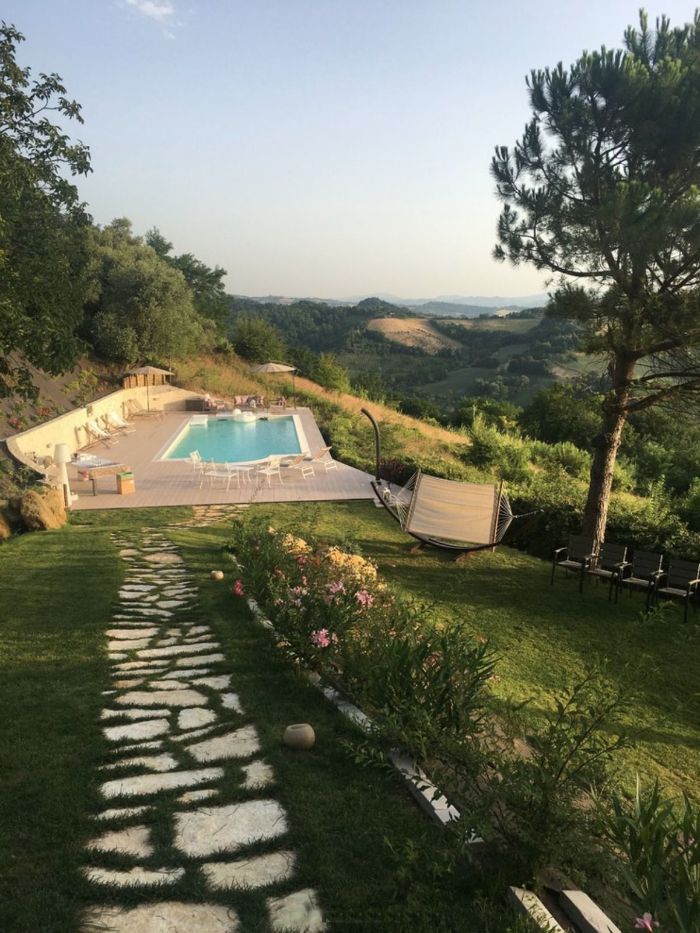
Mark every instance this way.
x=203 y=516
x=188 y=802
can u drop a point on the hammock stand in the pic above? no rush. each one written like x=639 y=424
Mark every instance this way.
x=428 y=507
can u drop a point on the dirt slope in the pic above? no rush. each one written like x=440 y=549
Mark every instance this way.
x=413 y=332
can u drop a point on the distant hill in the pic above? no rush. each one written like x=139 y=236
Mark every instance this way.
x=442 y=305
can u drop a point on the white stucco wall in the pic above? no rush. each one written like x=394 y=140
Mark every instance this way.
x=39 y=442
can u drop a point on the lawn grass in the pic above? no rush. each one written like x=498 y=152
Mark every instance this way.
x=375 y=860
x=545 y=635
x=55 y=593
x=361 y=841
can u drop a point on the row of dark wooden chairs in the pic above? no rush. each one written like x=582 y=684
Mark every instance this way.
x=623 y=569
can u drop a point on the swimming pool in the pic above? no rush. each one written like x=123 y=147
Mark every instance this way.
x=227 y=441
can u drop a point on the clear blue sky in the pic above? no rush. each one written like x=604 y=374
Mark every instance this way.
x=312 y=147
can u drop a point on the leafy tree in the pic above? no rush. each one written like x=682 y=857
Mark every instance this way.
x=206 y=283
x=603 y=192
x=256 y=340
x=562 y=412
x=141 y=308
x=42 y=224
x=329 y=373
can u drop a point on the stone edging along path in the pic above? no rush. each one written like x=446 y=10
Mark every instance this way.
x=179 y=737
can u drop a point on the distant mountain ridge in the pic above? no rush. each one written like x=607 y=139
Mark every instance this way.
x=442 y=306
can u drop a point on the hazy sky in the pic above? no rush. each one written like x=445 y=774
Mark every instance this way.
x=313 y=147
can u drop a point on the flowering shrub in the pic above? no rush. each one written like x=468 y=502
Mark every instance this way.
x=423 y=685
x=659 y=842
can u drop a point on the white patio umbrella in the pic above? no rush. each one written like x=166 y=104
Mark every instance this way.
x=275 y=369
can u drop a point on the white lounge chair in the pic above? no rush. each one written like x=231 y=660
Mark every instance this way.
x=94 y=431
x=116 y=425
x=136 y=410
x=323 y=458
x=301 y=465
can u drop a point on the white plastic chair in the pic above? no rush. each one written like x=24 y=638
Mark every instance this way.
x=270 y=468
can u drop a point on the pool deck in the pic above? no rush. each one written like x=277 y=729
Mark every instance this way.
x=173 y=482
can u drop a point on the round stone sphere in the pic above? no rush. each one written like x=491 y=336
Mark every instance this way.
x=300 y=735
x=217 y=575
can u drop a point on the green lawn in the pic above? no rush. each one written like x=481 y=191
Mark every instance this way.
x=351 y=826
x=546 y=635
x=355 y=829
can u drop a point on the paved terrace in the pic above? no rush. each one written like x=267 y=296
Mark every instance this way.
x=172 y=482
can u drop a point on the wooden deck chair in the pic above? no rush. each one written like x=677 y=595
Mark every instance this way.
x=116 y=425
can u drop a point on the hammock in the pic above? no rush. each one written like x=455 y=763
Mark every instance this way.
x=441 y=512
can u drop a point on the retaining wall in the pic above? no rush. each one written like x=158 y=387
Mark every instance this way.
x=31 y=447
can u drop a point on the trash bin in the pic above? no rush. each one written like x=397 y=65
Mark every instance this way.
x=125 y=484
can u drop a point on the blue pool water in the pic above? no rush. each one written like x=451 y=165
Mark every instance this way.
x=227 y=441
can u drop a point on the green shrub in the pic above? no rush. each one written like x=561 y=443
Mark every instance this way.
x=659 y=843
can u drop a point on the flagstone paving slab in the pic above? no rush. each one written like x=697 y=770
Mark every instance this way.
x=194 y=734
x=194 y=796
x=203 y=659
x=163 y=557
x=195 y=718
x=165 y=917
x=136 y=840
x=226 y=829
x=296 y=912
x=216 y=683
x=174 y=650
x=155 y=783
x=162 y=697
x=134 y=713
x=239 y=744
x=258 y=774
x=231 y=701
x=258 y=872
x=134 y=877
x=139 y=730
x=160 y=763
x=136 y=746
x=120 y=813
x=127 y=633
x=124 y=645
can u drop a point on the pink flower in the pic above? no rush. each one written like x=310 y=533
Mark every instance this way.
x=364 y=598
x=320 y=638
x=301 y=559
x=298 y=591
x=237 y=588
x=645 y=922
x=304 y=581
x=335 y=586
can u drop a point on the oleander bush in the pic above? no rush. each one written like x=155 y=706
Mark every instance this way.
x=426 y=686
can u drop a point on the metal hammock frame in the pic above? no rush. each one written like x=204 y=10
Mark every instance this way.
x=400 y=506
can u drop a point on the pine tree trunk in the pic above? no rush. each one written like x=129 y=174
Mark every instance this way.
x=606 y=446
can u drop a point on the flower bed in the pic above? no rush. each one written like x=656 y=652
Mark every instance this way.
x=425 y=686
x=427 y=689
